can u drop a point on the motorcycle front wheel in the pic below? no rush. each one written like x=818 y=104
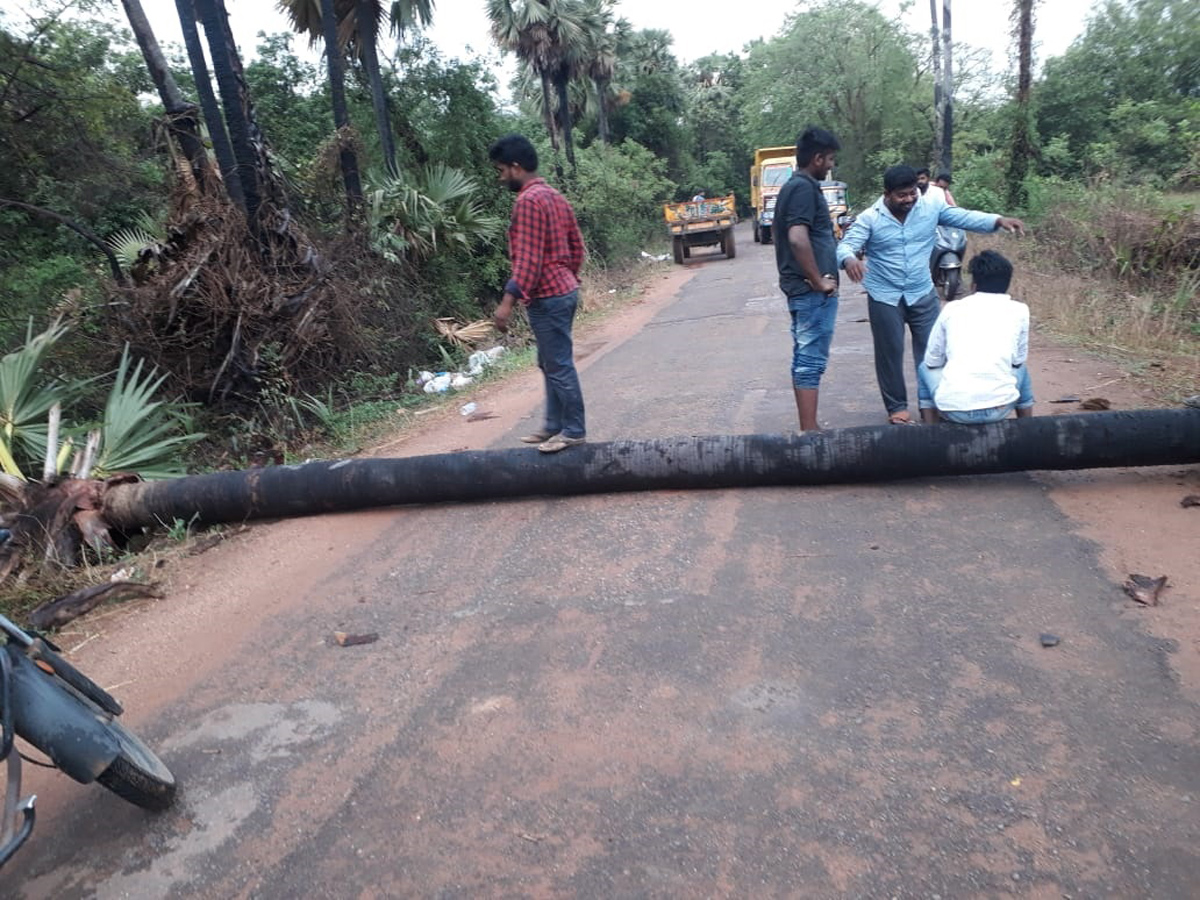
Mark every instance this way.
x=953 y=284
x=137 y=775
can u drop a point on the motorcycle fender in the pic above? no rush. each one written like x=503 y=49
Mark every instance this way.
x=949 y=260
x=59 y=722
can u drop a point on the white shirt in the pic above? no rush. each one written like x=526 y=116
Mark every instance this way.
x=932 y=190
x=976 y=341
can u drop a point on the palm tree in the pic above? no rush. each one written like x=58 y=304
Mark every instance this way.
x=248 y=148
x=337 y=91
x=547 y=36
x=651 y=50
x=1022 y=140
x=222 y=148
x=181 y=114
x=604 y=38
x=359 y=23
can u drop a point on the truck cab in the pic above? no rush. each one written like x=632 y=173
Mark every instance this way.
x=771 y=170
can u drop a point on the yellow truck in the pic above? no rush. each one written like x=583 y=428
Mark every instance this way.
x=770 y=172
x=701 y=223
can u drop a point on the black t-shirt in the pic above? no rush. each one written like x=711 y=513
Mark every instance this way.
x=802 y=203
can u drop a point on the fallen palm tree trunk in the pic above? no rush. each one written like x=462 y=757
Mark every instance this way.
x=848 y=455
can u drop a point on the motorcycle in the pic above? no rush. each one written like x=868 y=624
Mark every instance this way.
x=60 y=711
x=946 y=262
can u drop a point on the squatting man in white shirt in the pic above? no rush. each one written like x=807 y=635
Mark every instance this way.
x=974 y=366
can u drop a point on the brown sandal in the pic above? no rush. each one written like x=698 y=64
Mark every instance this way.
x=900 y=418
x=538 y=437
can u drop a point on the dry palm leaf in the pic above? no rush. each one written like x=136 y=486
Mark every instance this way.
x=464 y=335
x=1144 y=589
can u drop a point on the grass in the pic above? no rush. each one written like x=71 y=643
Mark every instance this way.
x=1117 y=271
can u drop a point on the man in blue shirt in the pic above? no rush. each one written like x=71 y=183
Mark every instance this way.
x=898 y=233
x=806 y=256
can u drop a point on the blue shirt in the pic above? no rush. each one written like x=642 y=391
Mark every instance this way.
x=898 y=252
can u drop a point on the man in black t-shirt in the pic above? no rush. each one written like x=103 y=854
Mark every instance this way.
x=807 y=261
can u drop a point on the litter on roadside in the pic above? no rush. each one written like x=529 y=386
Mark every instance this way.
x=440 y=382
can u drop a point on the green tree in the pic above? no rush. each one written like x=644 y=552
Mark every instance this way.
x=75 y=141
x=1139 y=51
x=359 y=24
x=847 y=67
x=714 y=127
x=548 y=37
x=652 y=103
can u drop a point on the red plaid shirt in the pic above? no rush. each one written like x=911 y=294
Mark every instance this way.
x=544 y=244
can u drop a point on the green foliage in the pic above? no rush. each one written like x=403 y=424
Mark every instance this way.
x=845 y=66
x=1123 y=98
x=25 y=400
x=618 y=194
x=138 y=433
x=411 y=217
x=719 y=158
x=77 y=140
x=652 y=102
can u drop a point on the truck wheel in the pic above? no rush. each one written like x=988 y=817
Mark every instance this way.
x=766 y=234
x=687 y=251
x=729 y=246
x=677 y=246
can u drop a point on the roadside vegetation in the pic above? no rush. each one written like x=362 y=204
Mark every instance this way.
x=263 y=246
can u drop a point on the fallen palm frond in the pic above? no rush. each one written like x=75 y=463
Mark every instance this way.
x=57 y=613
x=464 y=335
x=25 y=401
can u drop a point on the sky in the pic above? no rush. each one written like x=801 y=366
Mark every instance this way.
x=699 y=27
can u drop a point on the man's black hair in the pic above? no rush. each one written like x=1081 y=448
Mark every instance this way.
x=898 y=177
x=812 y=141
x=514 y=148
x=991 y=272
x=922 y=171
x=944 y=176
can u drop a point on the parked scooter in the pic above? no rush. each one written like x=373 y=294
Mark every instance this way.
x=947 y=260
x=57 y=709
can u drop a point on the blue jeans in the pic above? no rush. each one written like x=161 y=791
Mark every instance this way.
x=813 y=317
x=931 y=378
x=551 y=319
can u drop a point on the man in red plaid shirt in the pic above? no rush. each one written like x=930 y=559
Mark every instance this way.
x=546 y=250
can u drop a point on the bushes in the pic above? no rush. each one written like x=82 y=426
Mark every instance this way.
x=1120 y=267
x=618 y=194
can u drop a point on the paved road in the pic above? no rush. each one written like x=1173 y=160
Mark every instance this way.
x=833 y=692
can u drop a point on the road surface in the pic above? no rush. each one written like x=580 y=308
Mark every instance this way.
x=825 y=692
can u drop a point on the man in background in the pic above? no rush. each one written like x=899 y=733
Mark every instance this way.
x=943 y=181
x=897 y=234
x=546 y=250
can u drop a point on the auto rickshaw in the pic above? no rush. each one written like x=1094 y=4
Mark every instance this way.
x=839 y=206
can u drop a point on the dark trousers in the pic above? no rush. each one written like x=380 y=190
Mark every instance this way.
x=551 y=319
x=887 y=331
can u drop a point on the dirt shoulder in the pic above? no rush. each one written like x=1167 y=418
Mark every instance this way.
x=1134 y=515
